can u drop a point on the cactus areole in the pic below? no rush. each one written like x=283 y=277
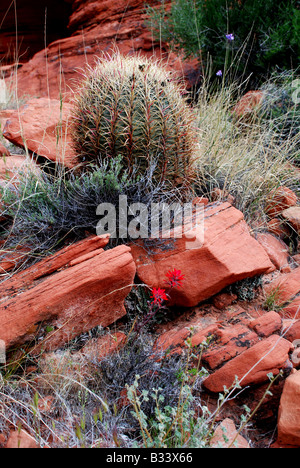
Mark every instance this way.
x=130 y=106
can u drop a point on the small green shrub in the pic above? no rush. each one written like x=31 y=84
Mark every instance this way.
x=162 y=394
x=48 y=210
x=279 y=111
x=132 y=107
x=266 y=33
x=88 y=404
x=246 y=289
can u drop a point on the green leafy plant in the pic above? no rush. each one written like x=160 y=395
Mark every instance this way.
x=173 y=425
x=170 y=426
x=262 y=33
x=132 y=107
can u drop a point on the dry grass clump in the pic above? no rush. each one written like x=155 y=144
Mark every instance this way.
x=73 y=400
x=243 y=158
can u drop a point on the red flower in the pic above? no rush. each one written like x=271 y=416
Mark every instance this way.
x=175 y=278
x=158 y=295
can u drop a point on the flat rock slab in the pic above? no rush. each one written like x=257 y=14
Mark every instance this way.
x=253 y=365
x=42 y=125
x=219 y=252
x=56 y=301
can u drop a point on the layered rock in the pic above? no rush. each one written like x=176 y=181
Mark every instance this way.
x=104 y=345
x=292 y=217
x=11 y=259
x=13 y=164
x=279 y=200
x=217 y=253
x=78 y=288
x=252 y=366
x=284 y=214
x=248 y=104
x=96 y=27
x=267 y=324
x=234 y=346
x=276 y=249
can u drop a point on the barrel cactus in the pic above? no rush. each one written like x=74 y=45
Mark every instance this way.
x=131 y=107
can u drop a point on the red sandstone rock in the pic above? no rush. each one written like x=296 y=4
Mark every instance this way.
x=291 y=329
x=21 y=439
x=11 y=259
x=221 y=301
x=199 y=336
x=62 y=259
x=31 y=20
x=43 y=126
x=2 y=440
x=292 y=217
x=248 y=104
x=279 y=228
x=276 y=249
x=197 y=327
x=279 y=200
x=226 y=436
x=253 y=365
x=220 y=254
x=285 y=288
x=70 y=301
x=3 y=151
x=104 y=345
x=45 y=404
x=289 y=412
x=218 y=194
x=172 y=340
x=230 y=341
x=222 y=195
x=292 y=309
x=12 y=165
x=4 y=115
x=296 y=258
x=267 y=324
x=8 y=70
x=97 y=27
x=200 y=201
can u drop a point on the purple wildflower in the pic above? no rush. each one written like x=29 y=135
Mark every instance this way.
x=230 y=37
x=219 y=73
